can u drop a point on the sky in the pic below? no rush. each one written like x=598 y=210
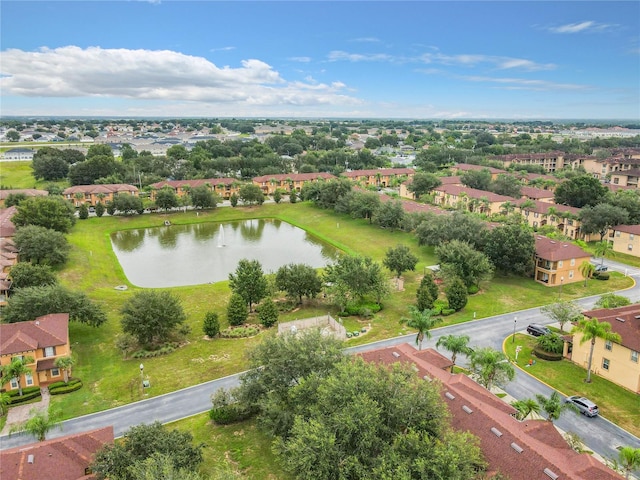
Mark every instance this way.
x=329 y=59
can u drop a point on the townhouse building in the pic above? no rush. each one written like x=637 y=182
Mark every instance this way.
x=558 y=263
x=28 y=192
x=539 y=213
x=223 y=187
x=289 y=181
x=92 y=194
x=625 y=239
x=380 y=177
x=470 y=199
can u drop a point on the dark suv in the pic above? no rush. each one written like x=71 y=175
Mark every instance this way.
x=536 y=330
x=584 y=405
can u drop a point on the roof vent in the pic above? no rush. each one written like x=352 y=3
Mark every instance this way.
x=496 y=432
x=637 y=317
x=449 y=395
x=395 y=354
x=427 y=378
x=516 y=447
x=467 y=409
x=37 y=322
x=620 y=319
x=550 y=474
x=30 y=459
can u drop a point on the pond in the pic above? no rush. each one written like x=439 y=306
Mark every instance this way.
x=177 y=255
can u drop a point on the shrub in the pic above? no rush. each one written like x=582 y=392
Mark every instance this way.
x=553 y=357
x=268 y=313
x=211 y=325
x=230 y=414
x=472 y=289
x=237 y=310
x=59 y=388
x=241 y=331
x=601 y=275
x=448 y=311
x=28 y=393
x=456 y=294
x=551 y=343
x=361 y=309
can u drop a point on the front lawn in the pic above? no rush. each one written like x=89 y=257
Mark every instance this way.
x=615 y=403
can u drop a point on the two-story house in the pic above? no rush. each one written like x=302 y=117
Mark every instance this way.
x=289 y=181
x=223 y=187
x=558 y=262
x=380 y=177
x=92 y=194
x=565 y=219
x=471 y=199
x=617 y=362
x=626 y=239
x=44 y=340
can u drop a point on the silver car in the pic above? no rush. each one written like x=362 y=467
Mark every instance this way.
x=584 y=405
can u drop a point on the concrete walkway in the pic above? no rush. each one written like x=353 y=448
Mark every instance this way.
x=21 y=413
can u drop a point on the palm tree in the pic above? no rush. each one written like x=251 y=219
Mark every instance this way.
x=553 y=405
x=455 y=344
x=525 y=408
x=587 y=270
x=15 y=370
x=65 y=363
x=592 y=329
x=491 y=367
x=629 y=459
x=603 y=249
x=422 y=321
x=5 y=400
x=39 y=424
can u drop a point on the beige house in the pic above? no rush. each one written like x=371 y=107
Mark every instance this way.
x=44 y=339
x=557 y=262
x=224 y=187
x=380 y=177
x=617 y=362
x=470 y=199
x=538 y=213
x=92 y=194
x=626 y=239
x=289 y=181
x=626 y=178
x=29 y=192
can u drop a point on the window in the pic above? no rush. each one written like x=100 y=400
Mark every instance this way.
x=29 y=378
x=617 y=233
x=14 y=383
x=570 y=222
x=535 y=215
x=634 y=356
x=559 y=263
x=631 y=237
x=49 y=351
x=605 y=363
x=17 y=357
x=608 y=345
x=570 y=273
x=55 y=372
x=630 y=247
x=535 y=224
x=573 y=262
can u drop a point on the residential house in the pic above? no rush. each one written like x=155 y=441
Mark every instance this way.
x=461 y=168
x=626 y=239
x=29 y=192
x=19 y=154
x=617 y=362
x=63 y=458
x=44 y=339
x=224 y=187
x=519 y=450
x=550 y=161
x=404 y=187
x=471 y=199
x=626 y=178
x=533 y=193
x=380 y=177
x=564 y=218
x=289 y=181
x=92 y=194
x=558 y=262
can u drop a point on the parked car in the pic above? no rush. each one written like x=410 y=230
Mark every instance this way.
x=584 y=405
x=536 y=330
x=601 y=268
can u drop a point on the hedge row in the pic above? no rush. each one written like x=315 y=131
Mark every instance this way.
x=59 y=388
x=28 y=393
x=230 y=414
x=553 y=357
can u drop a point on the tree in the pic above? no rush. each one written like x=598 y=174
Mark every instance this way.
x=507 y=185
x=93 y=169
x=491 y=367
x=237 y=310
x=478 y=179
x=422 y=183
x=553 y=405
x=511 y=248
x=422 y=321
x=13 y=136
x=587 y=269
x=580 y=191
x=151 y=316
x=49 y=165
x=65 y=364
x=14 y=199
x=25 y=274
x=601 y=217
x=457 y=294
x=293 y=196
x=49 y=212
x=41 y=246
x=298 y=280
x=32 y=302
x=15 y=370
x=351 y=279
x=399 y=259
x=83 y=211
x=100 y=209
x=140 y=443
x=166 y=198
x=233 y=199
x=159 y=466
x=211 y=325
x=611 y=300
x=562 y=311
x=603 y=249
x=249 y=282
x=456 y=344
x=39 y=424
x=427 y=292
x=629 y=459
x=461 y=260
x=268 y=313
x=202 y=197
x=439 y=229
x=5 y=401
x=389 y=214
x=251 y=194
x=126 y=204
x=591 y=329
x=525 y=408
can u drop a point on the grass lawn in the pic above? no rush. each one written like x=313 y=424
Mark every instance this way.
x=20 y=175
x=241 y=447
x=110 y=381
x=615 y=403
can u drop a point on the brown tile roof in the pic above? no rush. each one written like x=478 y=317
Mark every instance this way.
x=535 y=193
x=64 y=458
x=46 y=331
x=7 y=228
x=629 y=329
x=525 y=156
x=410 y=206
x=635 y=229
x=555 y=250
x=95 y=189
x=453 y=180
x=490 y=419
x=194 y=183
x=543 y=207
x=382 y=171
x=474 y=193
x=296 y=177
x=29 y=192
x=466 y=167
x=634 y=172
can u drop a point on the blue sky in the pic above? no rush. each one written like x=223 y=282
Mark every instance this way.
x=471 y=60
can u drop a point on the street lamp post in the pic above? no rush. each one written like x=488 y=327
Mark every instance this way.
x=142 y=377
x=515 y=322
x=561 y=282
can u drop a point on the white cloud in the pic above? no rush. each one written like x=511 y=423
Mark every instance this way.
x=300 y=59
x=337 y=55
x=154 y=75
x=528 y=84
x=367 y=40
x=222 y=49
x=588 y=26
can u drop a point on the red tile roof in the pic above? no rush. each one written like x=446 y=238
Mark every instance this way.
x=7 y=228
x=64 y=458
x=46 y=331
x=490 y=419
x=375 y=171
x=635 y=229
x=29 y=192
x=555 y=250
x=465 y=167
x=474 y=193
x=624 y=321
x=194 y=183
x=544 y=207
x=296 y=177
x=104 y=188
x=535 y=193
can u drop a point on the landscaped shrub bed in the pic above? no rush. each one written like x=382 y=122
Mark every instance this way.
x=59 y=388
x=601 y=276
x=553 y=357
x=362 y=309
x=240 y=332
x=164 y=350
x=230 y=414
x=28 y=393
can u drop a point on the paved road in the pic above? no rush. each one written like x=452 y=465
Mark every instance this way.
x=598 y=434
